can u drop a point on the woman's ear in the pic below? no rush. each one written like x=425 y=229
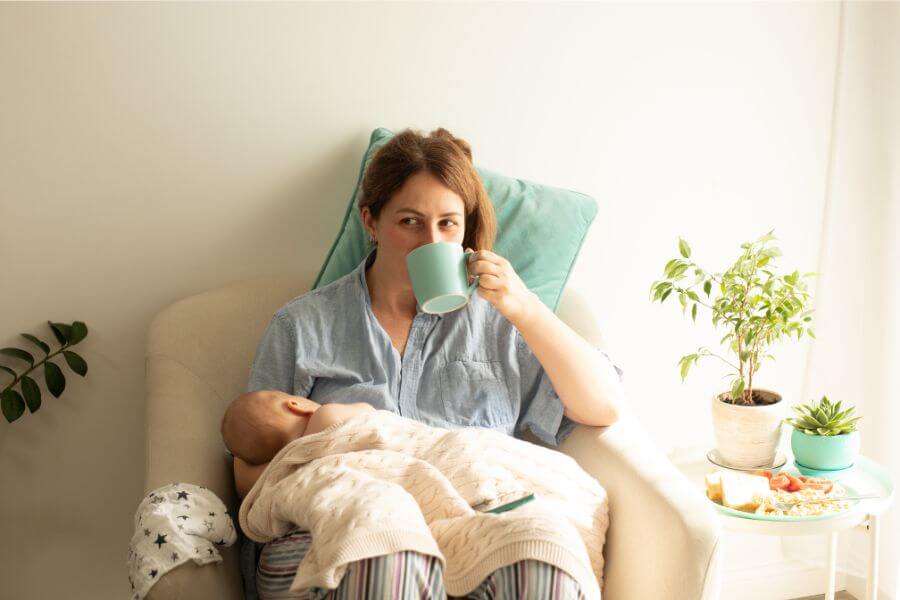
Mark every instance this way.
x=368 y=221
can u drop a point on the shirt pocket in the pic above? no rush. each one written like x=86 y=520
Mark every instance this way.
x=474 y=393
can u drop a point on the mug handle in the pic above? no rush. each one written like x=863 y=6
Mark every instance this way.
x=474 y=285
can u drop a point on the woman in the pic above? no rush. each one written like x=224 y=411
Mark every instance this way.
x=503 y=361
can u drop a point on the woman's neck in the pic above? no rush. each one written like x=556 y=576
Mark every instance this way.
x=390 y=296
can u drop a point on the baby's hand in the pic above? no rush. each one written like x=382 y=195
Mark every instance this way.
x=330 y=414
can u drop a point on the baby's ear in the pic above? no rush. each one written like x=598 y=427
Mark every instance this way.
x=300 y=409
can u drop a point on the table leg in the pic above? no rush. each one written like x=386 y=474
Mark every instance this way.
x=872 y=576
x=832 y=564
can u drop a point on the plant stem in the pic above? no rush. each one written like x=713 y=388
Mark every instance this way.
x=35 y=366
x=708 y=353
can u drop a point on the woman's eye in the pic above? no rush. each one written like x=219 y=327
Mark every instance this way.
x=408 y=221
x=449 y=223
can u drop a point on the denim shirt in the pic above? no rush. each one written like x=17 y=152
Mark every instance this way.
x=465 y=368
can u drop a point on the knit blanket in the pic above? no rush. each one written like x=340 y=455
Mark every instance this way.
x=379 y=483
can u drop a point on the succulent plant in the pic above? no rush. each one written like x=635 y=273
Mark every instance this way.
x=823 y=418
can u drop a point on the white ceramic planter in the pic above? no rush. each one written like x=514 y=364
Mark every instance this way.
x=747 y=436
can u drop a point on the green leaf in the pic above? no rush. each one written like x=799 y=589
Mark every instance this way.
x=737 y=390
x=707 y=286
x=694 y=313
x=57 y=333
x=79 y=331
x=65 y=329
x=18 y=353
x=37 y=342
x=684 y=248
x=76 y=363
x=12 y=405
x=679 y=269
x=665 y=295
x=10 y=371
x=661 y=287
x=669 y=266
x=56 y=381
x=32 y=393
x=685 y=367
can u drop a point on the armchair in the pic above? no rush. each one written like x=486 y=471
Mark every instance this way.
x=663 y=540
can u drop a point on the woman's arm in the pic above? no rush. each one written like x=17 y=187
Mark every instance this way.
x=245 y=475
x=584 y=379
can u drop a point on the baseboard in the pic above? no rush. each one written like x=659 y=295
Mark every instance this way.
x=857 y=586
x=781 y=580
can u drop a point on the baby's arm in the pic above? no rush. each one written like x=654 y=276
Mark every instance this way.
x=329 y=414
x=245 y=475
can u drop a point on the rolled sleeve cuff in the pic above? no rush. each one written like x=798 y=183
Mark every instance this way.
x=549 y=424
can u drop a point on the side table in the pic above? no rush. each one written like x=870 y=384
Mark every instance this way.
x=865 y=477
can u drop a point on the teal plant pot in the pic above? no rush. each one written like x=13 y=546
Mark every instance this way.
x=825 y=452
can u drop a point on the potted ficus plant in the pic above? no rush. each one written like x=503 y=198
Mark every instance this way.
x=825 y=437
x=756 y=308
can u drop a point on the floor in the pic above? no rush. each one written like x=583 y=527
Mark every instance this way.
x=837 y=596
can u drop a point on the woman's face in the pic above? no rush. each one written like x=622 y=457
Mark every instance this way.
x=421 y=212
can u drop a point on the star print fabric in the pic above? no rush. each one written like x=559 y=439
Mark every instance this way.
x=174 y=524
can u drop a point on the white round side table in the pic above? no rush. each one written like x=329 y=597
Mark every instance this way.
x=865 y=477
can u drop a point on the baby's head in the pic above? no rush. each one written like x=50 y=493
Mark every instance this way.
x=257 y=425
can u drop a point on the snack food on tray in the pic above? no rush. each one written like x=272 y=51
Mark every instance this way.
x=758 y=493
x=737 y=490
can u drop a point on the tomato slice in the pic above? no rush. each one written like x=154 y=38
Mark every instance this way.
x=766 y=474
x=779 y=482
x=796 y=483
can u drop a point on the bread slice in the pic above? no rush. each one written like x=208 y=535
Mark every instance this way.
x=741 y=491
x=714 y=486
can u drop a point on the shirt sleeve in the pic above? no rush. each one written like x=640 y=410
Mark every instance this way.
x=275 y=363
x=542 y=411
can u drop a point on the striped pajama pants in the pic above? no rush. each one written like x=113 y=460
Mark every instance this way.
x=405 y=575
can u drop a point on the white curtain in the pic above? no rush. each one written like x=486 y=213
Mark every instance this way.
x=856 y=356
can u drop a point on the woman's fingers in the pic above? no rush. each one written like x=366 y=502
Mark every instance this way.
x=483 y=267
x=490 y=282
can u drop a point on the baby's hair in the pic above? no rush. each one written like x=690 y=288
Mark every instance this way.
x=247 y=436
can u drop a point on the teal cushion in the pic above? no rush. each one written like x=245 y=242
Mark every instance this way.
x=540 y=229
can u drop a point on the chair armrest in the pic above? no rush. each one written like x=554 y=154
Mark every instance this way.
x=191 y=581
x=658 y=520
x=183 y=445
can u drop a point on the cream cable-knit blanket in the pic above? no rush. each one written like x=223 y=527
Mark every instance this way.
x=379 y=483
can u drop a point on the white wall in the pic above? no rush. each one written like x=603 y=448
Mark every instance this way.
x=857 y=353
x=151 y=151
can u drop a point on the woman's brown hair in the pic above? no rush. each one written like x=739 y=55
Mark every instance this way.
x=448 y=159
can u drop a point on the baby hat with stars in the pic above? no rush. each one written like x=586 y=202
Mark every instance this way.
x=173 y=524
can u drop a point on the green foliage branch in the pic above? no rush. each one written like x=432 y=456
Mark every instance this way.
x=12 y=402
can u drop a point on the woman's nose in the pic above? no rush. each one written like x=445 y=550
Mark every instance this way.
x=434 y=234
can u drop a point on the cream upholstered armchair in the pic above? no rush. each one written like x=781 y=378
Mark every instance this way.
x=663 y=540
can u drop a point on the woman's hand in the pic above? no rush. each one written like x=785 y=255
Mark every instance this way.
x=500 y=285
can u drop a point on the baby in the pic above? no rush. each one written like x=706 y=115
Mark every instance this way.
x=256 y=425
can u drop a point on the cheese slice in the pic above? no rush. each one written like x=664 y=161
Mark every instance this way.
x=714 y=486
x=741 y=491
